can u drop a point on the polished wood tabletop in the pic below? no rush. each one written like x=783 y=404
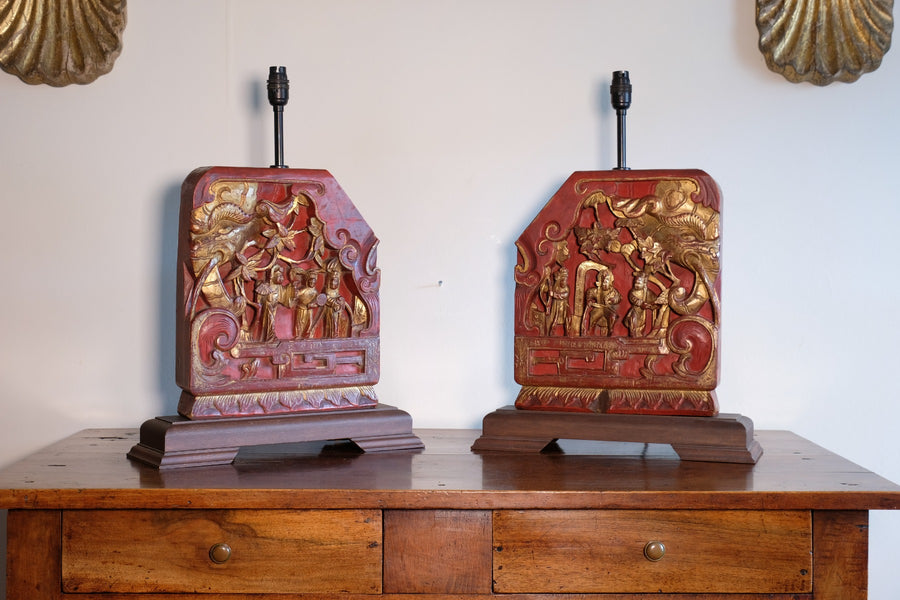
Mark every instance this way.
x=90 y=470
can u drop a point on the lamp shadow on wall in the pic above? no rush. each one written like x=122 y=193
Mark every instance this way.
x=261 y=132
x=169 y=392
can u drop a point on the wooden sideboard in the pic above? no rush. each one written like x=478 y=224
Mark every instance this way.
x=321 y=520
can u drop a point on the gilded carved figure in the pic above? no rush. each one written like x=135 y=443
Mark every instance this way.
x=335 y=305
x=269 y=295
x=642 y=301
x=556 y=298
x=603 y=305
x=304 y=300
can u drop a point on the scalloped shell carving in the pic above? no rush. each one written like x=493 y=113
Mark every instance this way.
x=59 y=42
x=821 y=41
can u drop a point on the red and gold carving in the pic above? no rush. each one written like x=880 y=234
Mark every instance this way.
x=617 y=296
x=278 y=308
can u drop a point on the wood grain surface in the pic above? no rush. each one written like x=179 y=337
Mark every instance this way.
x=583 y=551
x=271 y=551
x=324 y=520
x=90 y=470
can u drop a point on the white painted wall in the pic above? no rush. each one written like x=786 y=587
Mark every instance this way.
x=450 y=124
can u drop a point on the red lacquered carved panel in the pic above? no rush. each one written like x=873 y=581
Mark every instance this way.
x=278 y=307
x=617 y=295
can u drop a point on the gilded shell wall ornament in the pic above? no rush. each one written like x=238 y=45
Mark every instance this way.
x=821 y=41
x=60 y=42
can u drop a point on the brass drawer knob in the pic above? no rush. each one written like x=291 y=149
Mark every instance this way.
x=220 y=553
x=654 y=551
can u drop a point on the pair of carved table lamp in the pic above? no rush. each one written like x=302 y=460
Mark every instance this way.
x=616 y=316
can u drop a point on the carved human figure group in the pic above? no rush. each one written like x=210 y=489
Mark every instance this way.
x=269 y=265
x=633 y=270
x=312 y=304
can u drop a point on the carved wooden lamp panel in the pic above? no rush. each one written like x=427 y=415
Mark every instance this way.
x=617 y=296
x=278 y=295
x=617 y=316
x=277 y=316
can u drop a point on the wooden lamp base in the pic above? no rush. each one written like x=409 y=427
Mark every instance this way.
x=723 y=438
x=175 y=441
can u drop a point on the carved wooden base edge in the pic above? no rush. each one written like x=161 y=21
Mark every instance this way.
x=278 y=402
x=174 y=441
x=723 y=438
x=697 y=403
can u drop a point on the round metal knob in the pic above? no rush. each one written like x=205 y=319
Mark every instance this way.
x=654 y=551
x=220 y=553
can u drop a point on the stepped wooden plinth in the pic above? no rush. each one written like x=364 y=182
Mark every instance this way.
x=723 y=438
x=175 y=441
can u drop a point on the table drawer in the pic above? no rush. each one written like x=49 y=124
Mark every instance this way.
x=217 y=551
x=603 y=551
